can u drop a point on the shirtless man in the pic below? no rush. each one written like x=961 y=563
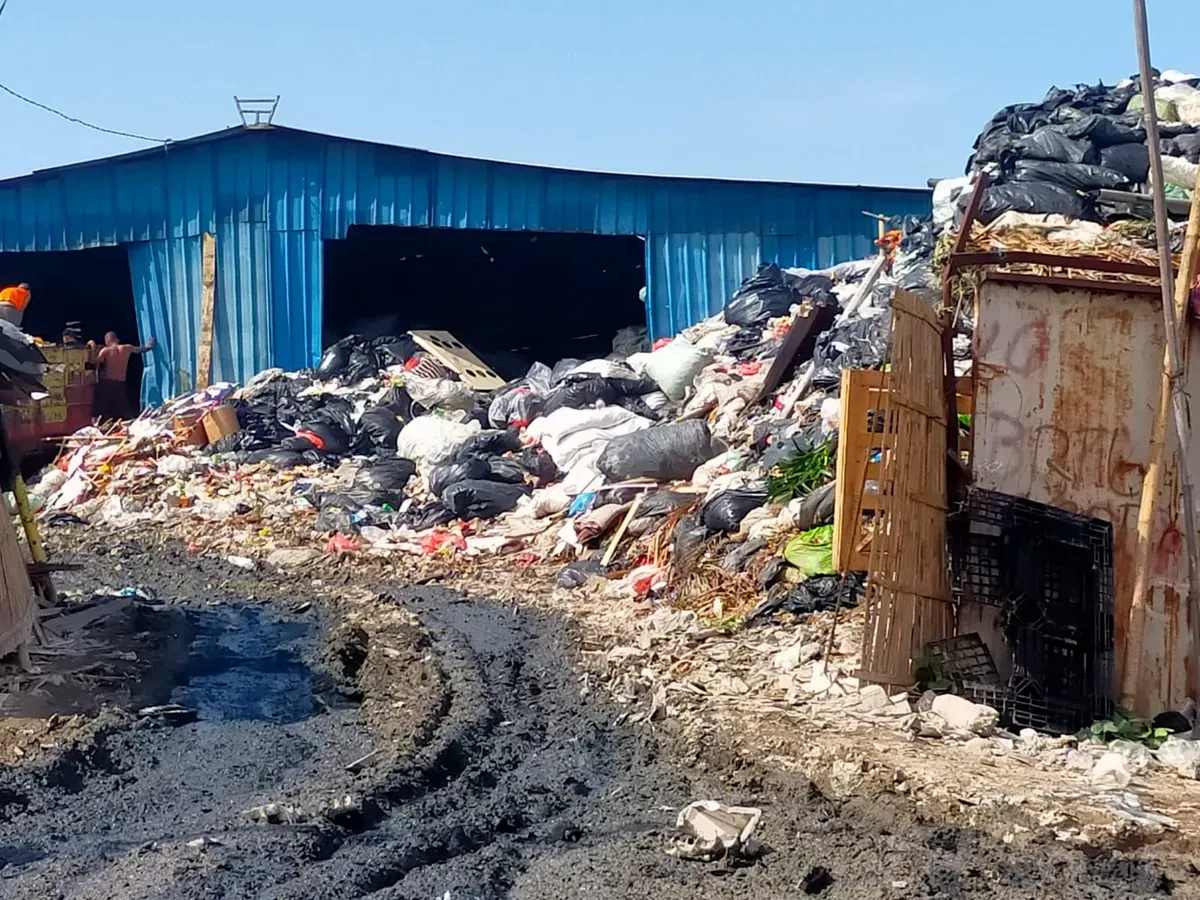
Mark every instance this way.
x=112 y=402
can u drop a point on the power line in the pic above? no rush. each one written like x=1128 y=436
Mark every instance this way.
x=63 y=115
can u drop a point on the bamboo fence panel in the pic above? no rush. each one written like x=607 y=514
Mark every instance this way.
x=908 y=592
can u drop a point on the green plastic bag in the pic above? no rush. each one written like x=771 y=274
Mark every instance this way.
x=812 y=551
x=1166 y=110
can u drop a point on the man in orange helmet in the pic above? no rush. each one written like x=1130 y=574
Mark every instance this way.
x=13 y=301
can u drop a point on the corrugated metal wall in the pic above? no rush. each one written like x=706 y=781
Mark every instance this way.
x=272 y=196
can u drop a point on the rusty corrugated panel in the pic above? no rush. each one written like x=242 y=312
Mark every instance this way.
x=1067 y=383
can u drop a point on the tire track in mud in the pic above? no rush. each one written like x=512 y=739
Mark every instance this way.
x=521 y=789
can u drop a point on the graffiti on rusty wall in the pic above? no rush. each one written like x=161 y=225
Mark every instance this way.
x=1066 y=386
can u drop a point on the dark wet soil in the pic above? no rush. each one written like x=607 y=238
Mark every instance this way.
x=509 y=784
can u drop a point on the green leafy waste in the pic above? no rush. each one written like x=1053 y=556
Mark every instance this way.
x=800 y=475
x=1123 y=727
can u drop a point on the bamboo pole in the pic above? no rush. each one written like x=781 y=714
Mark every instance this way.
x=1174 y=354
x=1156 y=469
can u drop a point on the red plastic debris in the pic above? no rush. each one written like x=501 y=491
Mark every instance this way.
x=660 y=343
x=343 y=543
x=527 y=558
x=411 y=363
x=747 y=369
x=312 y=437
x=644 y=579
x=437 y=541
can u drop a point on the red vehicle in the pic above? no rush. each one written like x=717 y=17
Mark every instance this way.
x=72 y=387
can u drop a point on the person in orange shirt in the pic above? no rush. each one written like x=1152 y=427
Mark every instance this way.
x=112 y=400
x=13 y=301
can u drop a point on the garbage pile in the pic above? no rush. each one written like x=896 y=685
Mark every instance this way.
x=696 y=472
x=1068 y=154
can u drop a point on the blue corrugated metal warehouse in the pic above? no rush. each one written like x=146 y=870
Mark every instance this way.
x=278 y=200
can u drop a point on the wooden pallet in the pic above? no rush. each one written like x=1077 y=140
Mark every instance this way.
x=858 y=462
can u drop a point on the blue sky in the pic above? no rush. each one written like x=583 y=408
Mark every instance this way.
x=860 y=92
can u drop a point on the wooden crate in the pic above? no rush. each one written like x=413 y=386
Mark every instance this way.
x=858 y=462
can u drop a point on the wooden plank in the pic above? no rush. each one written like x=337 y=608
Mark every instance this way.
x=208 y=299
x=860 y=393
x=797 y=347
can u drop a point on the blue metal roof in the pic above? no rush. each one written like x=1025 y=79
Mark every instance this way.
x=272 y=195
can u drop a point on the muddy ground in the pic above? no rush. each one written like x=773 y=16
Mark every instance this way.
x=491 y=776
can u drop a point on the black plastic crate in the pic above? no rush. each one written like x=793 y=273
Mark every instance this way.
x=1050 y=573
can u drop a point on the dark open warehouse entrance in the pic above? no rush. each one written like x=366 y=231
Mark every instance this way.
x=91 y=287
x=515 y=297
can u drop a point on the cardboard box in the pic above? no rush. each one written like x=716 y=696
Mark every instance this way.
x=220 y=422
x=191 y=430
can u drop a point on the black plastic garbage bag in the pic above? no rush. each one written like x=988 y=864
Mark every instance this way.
x=792 y=444
x=239 y=441
x=690 y=538
x=516 y=407
x=662 y=503
x=665 y=452
x=386 y=474
x=506 y=469
x=335 y=519
x=280 y=459
x=1047 y=143
x=378 y=428
x=430 y=515
x=1188 y=146
x=858 y=344
x=481 y=499
x=576 y=393
x=363 y=363
x=638 y=407
x=261 y=419
x=765 y=295
x=473 y=468
x=393 y=350
x=1103 y=131
x=1131 y=160
x=1071 y=176
x=816 y=508
x=490 y=443
x=336 y=357
x=725 y=511
x=817 y=594
x=562 y=369
x=538 y=465
x=326 y=436
x=577 y=573
x=735 y=560
x=1029 y=197
x=297 y=444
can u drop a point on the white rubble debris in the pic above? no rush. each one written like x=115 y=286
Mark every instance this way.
x=1181 y=755
x=713 y=830
x=1111 y=772
x=961 y=714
